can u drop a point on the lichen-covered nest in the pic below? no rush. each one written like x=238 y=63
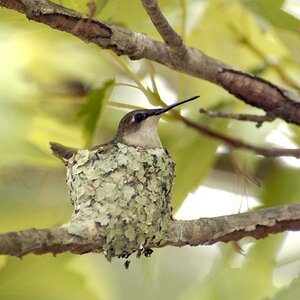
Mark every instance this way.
x=125 y=190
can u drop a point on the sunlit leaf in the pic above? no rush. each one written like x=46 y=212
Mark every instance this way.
x=272 y=12
x=292 y=43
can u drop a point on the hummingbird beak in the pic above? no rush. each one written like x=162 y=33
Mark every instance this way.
x=160 y=111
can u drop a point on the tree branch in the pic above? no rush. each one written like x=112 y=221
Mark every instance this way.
x=204 y=231
x=241 y=117
x=251 y=89
x=257 y=224
x=170 y=36
x=178 y=50
x=48 y=240
x=235 y=143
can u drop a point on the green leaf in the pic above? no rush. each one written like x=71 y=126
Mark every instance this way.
x=193 y=154
x=91 y=110
x=292 y=42
x=272 y=12
x=232 y=280
x=281 y=186
x=296 y=133
x=42 y=277
x=291 y=292
x=193 y=161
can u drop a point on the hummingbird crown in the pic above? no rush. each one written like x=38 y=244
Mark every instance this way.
x=139 y=129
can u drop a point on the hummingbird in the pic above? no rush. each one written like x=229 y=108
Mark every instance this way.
x=123 y=186
x=138 y=128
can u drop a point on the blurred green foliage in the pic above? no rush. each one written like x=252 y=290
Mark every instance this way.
x=90 y=111
x=53 y=87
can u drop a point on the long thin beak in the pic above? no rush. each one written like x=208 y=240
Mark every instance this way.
x=160 y=111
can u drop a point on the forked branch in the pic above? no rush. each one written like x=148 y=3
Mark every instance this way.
x=253 y=90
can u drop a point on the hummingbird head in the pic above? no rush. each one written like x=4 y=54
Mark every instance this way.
x=139 y=127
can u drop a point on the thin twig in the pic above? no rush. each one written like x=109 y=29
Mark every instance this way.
x=241 y=117
x=165 y=30
x=179 y=51
x=238 y=144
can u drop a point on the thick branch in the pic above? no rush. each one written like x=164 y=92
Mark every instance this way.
x=257 y=224
x=40 y=241
x=253 y=90
x=204 y=231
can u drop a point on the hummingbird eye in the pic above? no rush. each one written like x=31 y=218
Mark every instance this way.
x=139 y=117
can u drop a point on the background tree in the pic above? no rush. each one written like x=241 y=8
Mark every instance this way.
x=54 y=87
